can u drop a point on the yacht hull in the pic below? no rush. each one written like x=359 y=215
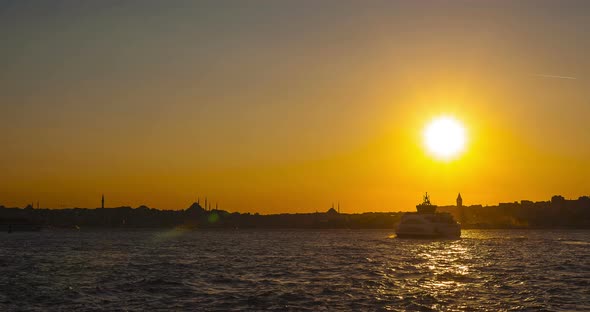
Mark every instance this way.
x=436 y=225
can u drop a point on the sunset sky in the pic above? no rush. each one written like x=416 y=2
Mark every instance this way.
x=276 y=106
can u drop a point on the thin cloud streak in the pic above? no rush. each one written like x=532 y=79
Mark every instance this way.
x=556 y=77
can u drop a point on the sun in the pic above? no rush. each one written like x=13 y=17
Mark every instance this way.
x=444 y=137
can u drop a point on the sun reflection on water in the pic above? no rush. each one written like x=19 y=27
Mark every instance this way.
x=430 y=271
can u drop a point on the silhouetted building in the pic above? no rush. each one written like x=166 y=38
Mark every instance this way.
x=196 y=209
x=102 y=202
x=557 y=199
x=459 y=201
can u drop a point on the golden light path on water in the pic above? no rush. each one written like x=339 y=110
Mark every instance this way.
x=437 y=268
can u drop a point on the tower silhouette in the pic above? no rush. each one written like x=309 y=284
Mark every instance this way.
x=459 y=201
x=102 y=202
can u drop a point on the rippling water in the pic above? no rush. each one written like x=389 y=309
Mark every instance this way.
x=293 y=270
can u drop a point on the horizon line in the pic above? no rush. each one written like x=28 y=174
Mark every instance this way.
x=317 y=211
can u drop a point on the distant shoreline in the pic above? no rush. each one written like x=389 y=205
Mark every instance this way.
x=558 y=213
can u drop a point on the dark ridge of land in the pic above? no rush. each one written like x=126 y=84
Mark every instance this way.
x=195 y=217
x=557 y=213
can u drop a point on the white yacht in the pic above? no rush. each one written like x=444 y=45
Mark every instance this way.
x=427 y=223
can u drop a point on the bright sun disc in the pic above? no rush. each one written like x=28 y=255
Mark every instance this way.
x=444 y=137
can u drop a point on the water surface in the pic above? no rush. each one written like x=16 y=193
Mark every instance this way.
x=280 y=270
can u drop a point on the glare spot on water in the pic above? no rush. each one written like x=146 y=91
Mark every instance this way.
x=575 y=243
x=169 y=234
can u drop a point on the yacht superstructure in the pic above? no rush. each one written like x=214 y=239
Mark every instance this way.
x=427 y=223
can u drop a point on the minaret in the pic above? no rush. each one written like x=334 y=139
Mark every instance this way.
x=459 y=201
x=338 y=207
x=102 y=202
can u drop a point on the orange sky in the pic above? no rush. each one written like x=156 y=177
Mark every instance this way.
x=283 y=107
